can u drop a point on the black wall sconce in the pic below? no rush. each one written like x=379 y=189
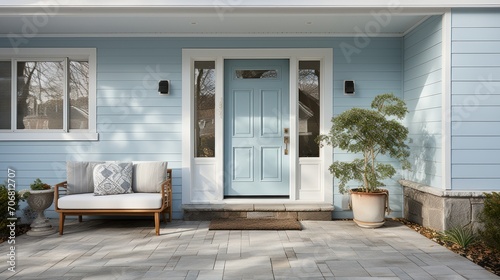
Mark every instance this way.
x=164 y=87
x=349 y=88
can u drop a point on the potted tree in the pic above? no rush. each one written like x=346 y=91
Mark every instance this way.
x=369 y=133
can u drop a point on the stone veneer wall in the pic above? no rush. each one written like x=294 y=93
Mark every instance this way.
x=441 y=210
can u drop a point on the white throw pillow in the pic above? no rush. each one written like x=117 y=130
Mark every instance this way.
x=80 y=177
x=148 y=176
x=113 y=178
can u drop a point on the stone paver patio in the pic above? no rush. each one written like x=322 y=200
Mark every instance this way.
x=125 y=249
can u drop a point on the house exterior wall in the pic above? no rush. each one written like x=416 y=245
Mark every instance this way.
x=475 y=67
x=135 y=123
x=475 y=126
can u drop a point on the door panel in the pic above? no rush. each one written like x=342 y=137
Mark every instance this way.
x=271 y=164
x=270 y=119
x=243 y=113
x=243 y=164
x=256 y=113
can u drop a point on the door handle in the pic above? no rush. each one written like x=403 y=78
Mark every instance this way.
x=286 y=140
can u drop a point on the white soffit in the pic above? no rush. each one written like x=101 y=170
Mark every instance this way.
x=256 y=3
x=213 y=18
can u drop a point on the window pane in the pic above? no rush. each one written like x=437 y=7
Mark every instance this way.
x=40 y=95
x=309 y=104
x=256 y=74
x=5 y=94
x=79 y=95
x=204 y=100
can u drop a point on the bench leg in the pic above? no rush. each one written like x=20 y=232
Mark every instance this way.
x=61 y=223
x=80 y=218
x=157 y=223
x=170 y=213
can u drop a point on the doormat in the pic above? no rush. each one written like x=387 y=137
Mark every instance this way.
x=255 y=224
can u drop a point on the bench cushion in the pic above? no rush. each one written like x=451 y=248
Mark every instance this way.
x=148 y=176
x=79 y=176
x=88 y=201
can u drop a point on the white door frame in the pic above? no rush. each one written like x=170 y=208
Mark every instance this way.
x=202 y=178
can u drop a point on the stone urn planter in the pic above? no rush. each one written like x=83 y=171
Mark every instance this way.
x=39 y=201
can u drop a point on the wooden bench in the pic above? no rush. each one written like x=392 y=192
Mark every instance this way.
x=141 y=204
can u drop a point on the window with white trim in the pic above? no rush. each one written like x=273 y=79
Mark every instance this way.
x=48 y=94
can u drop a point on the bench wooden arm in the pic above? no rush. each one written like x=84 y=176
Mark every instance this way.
x=166 y=195
x=64 y=186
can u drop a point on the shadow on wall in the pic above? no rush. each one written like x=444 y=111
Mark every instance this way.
x=423 y=157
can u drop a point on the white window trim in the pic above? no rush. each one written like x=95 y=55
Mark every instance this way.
x=219 y=55
x=88 y=54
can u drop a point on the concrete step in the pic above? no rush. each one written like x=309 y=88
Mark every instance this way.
x=207 y=212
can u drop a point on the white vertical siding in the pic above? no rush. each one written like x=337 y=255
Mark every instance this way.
x=475 y=99
x=422 y=92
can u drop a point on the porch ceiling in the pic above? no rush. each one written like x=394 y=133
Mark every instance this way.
x=208 y=21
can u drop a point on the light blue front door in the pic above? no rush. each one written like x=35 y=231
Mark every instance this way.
x=256 y=122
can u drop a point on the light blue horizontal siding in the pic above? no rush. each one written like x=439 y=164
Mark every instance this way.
x=483 y=156
x=472 y=171
x=461 y=127
x=476 y=100
x=476 y=73
x=423 y=96
x=475 y=47
x=482 y=114
x=475 y=184
x=475 y=34
x=139 y=102
x=477 y=59
x=420 y=82
x=476 y=143
x=475 y=112
x=430 y=128
x=480 y=87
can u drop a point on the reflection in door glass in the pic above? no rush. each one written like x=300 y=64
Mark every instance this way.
x=204 y=101
x=256 y=74
x=309 y=108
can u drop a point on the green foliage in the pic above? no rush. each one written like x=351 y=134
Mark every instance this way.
x=5 y=197
x=370 y=132
x=39 y=185
x=490 y=216
x=462 y=236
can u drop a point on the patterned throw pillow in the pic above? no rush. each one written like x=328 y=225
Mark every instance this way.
x=113 y=178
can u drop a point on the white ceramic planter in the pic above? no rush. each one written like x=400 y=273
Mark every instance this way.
x=369 y=208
